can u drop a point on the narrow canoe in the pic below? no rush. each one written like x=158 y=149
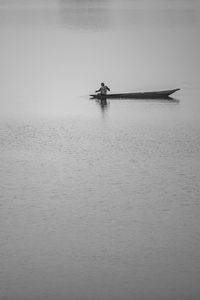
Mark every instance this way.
x=139 y=95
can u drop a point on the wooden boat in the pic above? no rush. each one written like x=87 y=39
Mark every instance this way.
x=139 y=95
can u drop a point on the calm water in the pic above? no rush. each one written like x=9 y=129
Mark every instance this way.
x=99 y=202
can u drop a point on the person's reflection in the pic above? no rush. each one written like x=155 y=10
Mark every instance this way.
x=103 y=104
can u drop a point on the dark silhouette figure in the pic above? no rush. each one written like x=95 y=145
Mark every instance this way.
x=103 y=89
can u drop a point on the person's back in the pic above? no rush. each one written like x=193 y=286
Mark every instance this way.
x=103 y=89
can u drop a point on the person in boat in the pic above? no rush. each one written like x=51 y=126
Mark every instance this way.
x=103 y=89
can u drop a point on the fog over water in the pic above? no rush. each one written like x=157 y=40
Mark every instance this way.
x=97 y=201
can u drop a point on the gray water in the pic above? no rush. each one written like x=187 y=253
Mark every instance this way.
x=99 y=202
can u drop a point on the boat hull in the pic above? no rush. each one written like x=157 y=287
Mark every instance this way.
x=144 y=95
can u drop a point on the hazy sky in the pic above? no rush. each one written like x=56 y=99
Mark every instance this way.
x=53 y=49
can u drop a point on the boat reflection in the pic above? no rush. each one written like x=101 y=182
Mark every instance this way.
x=103 y=101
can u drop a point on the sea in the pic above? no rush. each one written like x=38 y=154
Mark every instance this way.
x=99 y=201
